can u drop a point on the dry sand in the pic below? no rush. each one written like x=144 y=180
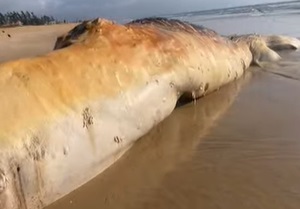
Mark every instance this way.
x=29 y=41
x=238 y=148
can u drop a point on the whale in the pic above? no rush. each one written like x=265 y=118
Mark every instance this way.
x=68 y=115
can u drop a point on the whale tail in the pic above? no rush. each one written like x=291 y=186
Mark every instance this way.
x=278 y=43
x=263 y=48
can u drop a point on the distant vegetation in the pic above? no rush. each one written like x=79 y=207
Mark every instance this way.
x=25 y=18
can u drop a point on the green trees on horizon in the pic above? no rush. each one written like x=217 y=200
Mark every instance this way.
x=25 y=18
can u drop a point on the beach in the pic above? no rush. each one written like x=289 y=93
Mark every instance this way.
x=237 y=148
x=29 y=41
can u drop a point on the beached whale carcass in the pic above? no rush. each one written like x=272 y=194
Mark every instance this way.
x=68 y=115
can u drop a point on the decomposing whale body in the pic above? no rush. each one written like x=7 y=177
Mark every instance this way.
x=172 y=142
x=68 y=115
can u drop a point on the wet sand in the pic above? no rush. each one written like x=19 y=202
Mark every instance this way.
x=281 y=24
x=237 y=148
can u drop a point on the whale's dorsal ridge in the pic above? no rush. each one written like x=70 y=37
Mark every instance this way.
x=173 y=24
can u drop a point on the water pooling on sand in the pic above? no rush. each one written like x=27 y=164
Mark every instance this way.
x=238 y=148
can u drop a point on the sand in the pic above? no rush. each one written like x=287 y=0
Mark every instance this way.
x=29 y=41
x=237 y=148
